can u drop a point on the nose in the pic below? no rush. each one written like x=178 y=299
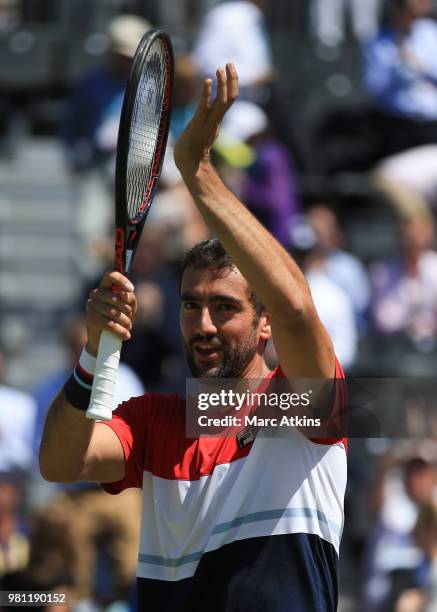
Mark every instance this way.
x=206 y=325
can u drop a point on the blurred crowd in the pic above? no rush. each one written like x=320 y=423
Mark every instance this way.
x=314 y=180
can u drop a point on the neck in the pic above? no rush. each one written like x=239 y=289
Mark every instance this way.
x=257 y=368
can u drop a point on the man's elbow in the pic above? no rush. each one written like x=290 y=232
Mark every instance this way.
x=292 y=312
x=51 y=471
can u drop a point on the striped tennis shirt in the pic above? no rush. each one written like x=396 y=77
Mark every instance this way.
x=226 y=528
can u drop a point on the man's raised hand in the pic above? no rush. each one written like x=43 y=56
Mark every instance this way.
x=111 y=307
x=194 y=144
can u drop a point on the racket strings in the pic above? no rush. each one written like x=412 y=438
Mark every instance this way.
x=145 y=128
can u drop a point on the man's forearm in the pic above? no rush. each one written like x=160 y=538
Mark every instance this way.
x=265 y=264
x=66 y=437
x=304 y=348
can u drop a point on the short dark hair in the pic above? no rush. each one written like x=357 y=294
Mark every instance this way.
x=211 y=254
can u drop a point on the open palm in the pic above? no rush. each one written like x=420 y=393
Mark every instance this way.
x=194 y=144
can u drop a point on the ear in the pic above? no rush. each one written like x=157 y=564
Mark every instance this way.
x=264 y=326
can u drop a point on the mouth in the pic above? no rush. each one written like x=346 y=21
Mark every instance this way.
x=206 y=352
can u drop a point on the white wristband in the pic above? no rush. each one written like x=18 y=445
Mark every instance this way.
x=87 y=362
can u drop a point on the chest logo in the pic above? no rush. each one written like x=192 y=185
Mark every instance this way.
x=245 y=437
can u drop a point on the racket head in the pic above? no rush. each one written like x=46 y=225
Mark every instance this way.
x=142 y=140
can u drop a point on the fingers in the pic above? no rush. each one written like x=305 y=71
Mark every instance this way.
x=207 y=91
x=222 y=90
x=232 y=83
x=113 y=304
x=195 y=143
x=100 y=319
x=116 y=279
x=205 y=101
x=118 y=324
x=227 y=92
x=227 y=89
x=206 y=94
x=118 y=284
x=111 y=307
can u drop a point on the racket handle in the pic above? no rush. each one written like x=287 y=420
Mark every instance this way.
x=105 y=377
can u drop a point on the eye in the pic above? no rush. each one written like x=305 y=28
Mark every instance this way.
x=189 y=305
x=225 y=307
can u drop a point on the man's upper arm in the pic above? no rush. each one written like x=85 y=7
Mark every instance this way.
x=104 y=461
x=304 y=348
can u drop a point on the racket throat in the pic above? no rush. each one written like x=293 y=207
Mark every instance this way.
x=133 y=236
x=126 y=240
x=128 y=261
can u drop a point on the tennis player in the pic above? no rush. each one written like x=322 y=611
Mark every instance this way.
x=245 y=523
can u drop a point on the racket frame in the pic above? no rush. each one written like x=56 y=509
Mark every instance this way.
x=128 y=231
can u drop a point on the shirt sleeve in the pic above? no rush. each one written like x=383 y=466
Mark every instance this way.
x=128 y=423
x=334 y=425
x=337 y=422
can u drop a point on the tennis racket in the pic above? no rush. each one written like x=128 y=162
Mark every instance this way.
x=142 y=139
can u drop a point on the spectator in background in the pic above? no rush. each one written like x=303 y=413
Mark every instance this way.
x=393 y=561
x=17 y=425
x=400 y=74
x=90 y=127
x=186 y=92
x=328 y=18
x=425 y=533
x=174 y=212
x=334 y=307
x=93 y=111
x=409 y=180
x=333 y=304
x=52 y=557
x=235 y=31
x=343 y=268
x=14 y=546
x=268 y=186
x=9 y=15
x=405 y=287
x=156 y=340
